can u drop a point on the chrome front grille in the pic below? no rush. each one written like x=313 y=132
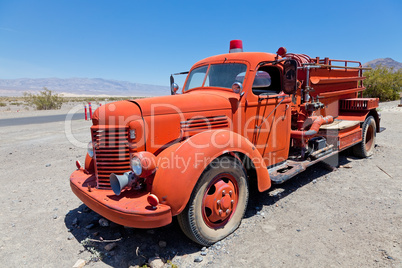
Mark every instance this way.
x=111 y=153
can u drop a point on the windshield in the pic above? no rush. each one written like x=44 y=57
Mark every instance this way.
x=218 y=75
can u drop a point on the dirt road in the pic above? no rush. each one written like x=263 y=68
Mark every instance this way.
x=349 y=217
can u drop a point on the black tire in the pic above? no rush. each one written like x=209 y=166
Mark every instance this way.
x=218 y=202
x=365 y=148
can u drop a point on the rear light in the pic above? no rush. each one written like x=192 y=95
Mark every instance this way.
x=236 y=46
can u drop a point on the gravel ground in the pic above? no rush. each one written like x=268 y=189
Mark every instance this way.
x=347 y=217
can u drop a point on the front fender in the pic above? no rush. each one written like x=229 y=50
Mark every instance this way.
x=180 y=166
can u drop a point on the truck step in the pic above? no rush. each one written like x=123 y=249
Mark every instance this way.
x=284 y=172
x=290 y=168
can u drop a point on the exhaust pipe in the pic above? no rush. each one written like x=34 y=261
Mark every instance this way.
x=118 y=182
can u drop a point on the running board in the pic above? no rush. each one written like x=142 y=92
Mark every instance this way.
x=281 y=173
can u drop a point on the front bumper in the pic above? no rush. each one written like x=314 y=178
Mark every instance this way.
x=130 y=208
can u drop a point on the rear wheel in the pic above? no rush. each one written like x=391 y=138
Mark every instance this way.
x=218 y=202
x=366 y=147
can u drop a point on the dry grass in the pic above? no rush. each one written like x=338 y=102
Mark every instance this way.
x=71 y=99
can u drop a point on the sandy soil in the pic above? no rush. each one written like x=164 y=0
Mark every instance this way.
x=348 y=217
x=20 y=109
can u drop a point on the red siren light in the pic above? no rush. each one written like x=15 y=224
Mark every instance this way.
x=236 y=46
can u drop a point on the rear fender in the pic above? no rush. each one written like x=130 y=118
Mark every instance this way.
x=361 y=116
x=377 y=118
x=180 y=166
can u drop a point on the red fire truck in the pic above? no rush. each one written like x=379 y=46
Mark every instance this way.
x=240 y=117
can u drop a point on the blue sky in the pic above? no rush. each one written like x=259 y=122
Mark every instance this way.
x=146 y=41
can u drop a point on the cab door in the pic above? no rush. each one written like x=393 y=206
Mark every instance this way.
x=268 y=115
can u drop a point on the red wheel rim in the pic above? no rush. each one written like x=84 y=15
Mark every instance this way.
x=369 y=138
x=220 y=200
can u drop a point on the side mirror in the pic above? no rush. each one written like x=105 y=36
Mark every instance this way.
x=290 y=77
x=174 y=88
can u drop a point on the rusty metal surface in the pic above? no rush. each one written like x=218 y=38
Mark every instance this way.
x=294 y=168
x=129 y=209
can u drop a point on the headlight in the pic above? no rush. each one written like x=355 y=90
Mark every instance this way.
x=90 y=149
x=136 y=165
x=143 y=164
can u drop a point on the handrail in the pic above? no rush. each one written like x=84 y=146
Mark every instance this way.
x=327 y=63
x=344 y=67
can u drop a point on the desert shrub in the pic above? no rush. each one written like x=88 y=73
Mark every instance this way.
x=2 y=104
x=44 y=100
x=382 y=82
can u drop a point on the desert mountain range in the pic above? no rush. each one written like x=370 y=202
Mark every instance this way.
x=80 y=86
x=387 y=62
x=99 y=86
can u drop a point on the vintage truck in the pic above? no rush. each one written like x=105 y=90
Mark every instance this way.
x=241 y=117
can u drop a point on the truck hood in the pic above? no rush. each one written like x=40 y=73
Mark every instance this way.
x=116 y=113
x=184 y=103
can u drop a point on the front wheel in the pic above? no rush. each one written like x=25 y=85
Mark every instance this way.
x=366 y=147
x=217 y=203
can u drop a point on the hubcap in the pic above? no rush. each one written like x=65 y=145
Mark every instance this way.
x=220 y=200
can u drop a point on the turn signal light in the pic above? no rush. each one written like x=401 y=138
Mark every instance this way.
x=282 y=51
x=78 y=164
x=153 y=200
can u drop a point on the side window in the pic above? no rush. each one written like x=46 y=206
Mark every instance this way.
x=267 y=80
x=240 y=77
x=262 y=79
